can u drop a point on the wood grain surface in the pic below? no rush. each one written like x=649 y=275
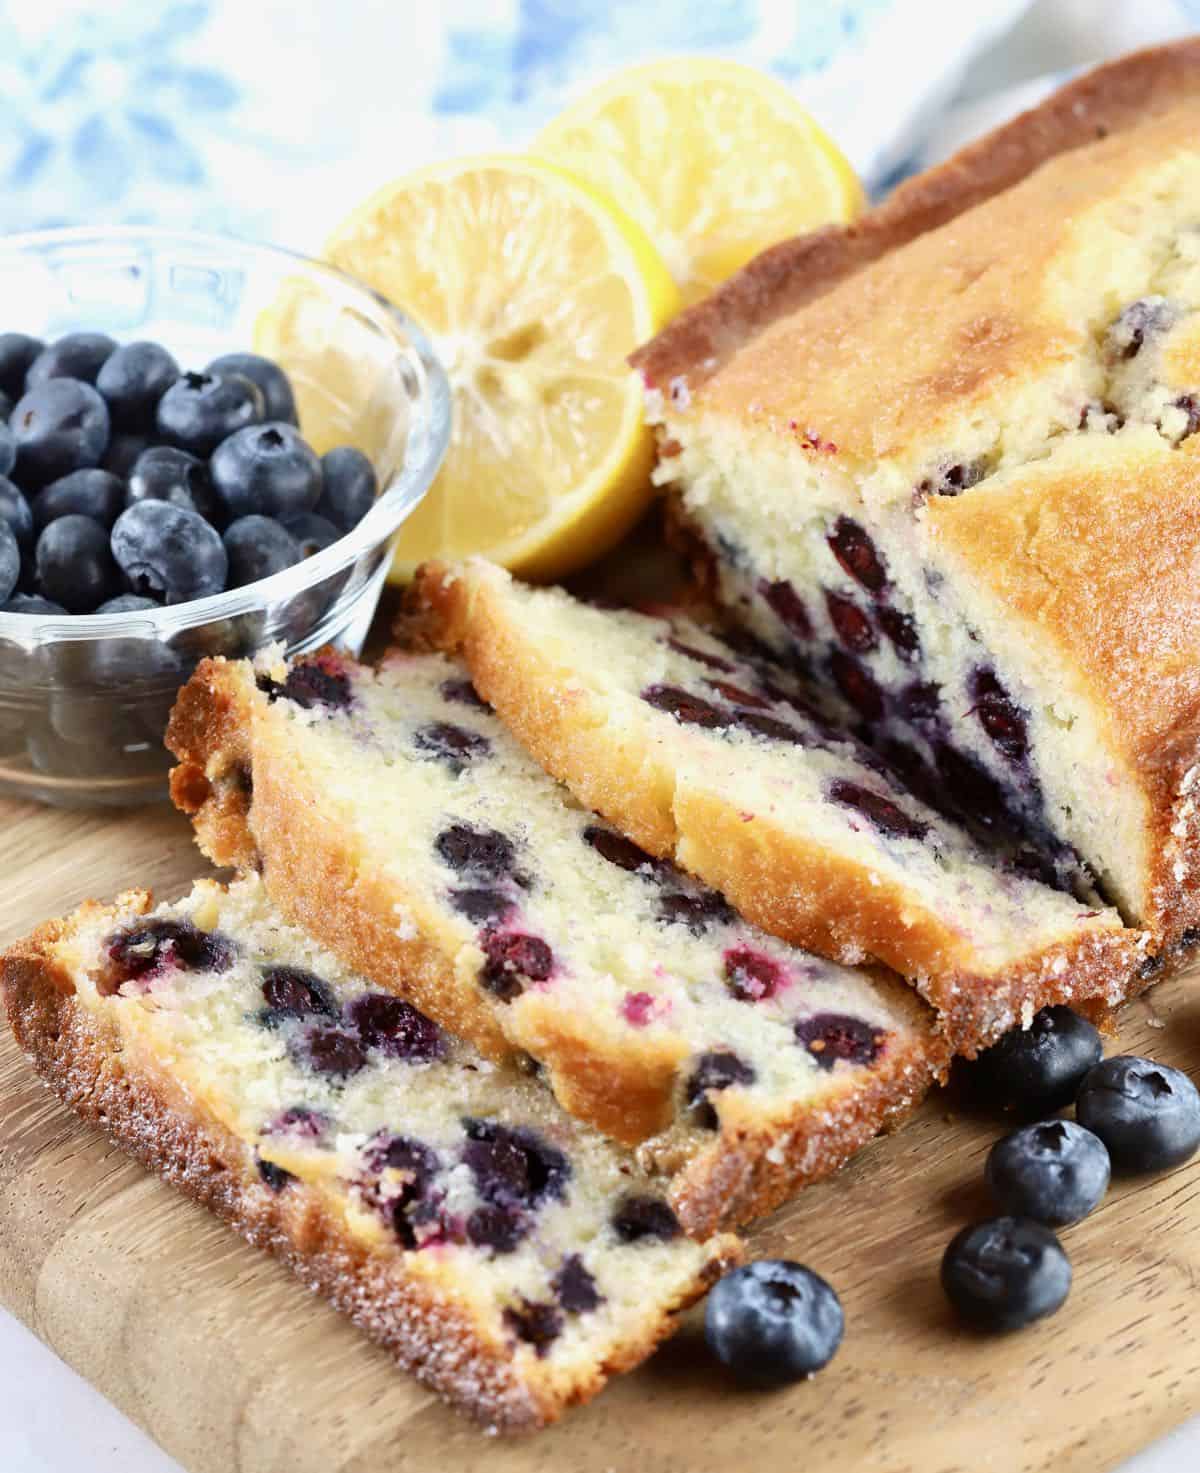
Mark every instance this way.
x=234 y=1368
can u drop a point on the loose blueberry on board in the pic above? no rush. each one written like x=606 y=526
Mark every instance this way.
x=133 y=380
x=60 y=426
x=1147 y=1114
x=10 y=562
x=92 y=493
x=1005 y=1273
x=16 y=511
x=198 y=411
x=279 y=402
x=256 y=548
x=167 y=553
x=74 y=563
x=1039 y=1069
x=1055 y=1172
x=17 y=352
x=773 y=1322
x=313 y=533
x=350 y=487
x=166 y=473
x=268 y=469
x=78 y=355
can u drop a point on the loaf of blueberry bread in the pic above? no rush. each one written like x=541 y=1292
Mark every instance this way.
x=509 y=1256
x=712 y=756
x=956 y=483
x=394 y=817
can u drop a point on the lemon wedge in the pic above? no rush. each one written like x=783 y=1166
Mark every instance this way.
x=534 y=289
x=715 y=161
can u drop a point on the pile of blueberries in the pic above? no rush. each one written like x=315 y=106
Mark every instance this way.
x=775 y=1322
x=126 y=484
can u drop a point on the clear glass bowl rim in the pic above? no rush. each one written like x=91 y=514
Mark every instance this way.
x=426 y=444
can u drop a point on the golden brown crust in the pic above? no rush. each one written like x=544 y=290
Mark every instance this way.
x=799 y=892
x=1110 y=99
x=427 y=1334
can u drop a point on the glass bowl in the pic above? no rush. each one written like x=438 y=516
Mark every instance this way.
x=84 y=699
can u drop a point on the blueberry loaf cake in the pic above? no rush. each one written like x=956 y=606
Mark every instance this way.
x=701 y=752
x=956 y=486
x=395 y=818
x=509 y=1256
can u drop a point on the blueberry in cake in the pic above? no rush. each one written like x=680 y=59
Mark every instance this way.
x=506 y=1254
x=973 y=523
x=712 y=757
x=394 y=817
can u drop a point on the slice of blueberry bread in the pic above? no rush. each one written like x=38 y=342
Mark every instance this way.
x=975 y=526
x=506 y=1254
x=705 y=754
x=394 y=817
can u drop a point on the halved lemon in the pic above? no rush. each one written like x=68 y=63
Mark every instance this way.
x=715 y=161
x=535 y=289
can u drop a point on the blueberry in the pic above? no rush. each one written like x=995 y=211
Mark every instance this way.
x=60 y=426
x=92 y=493
x=30 y=603
x=6 y=406
x=275 y=1177
x=257 y=547
x=75 y=567
x=639 y=1219
x=309 y=685
x=687 y=709
x=857 y=554
x=146 y=948
x=1055 y=1172
x=122 y=453
x=15 y=510
x=751 y=975
x=278 y=400
x=575 y=1287
x=538 y=1325
x=17 y=352
x=79 y=355
x=881 y=812
x=830 y=1037
x=511 y=958
x=10 y=562
x=133 y=380
x=292 y=992
x=454 y=745
x=788 y=607
x=773 y=1322
x=127 y=603
x=326 y=1049
x=714 y=1072
x=198 y=411
x=395 y=1027
x=478 y=853
x=167 y=553
x=313 y=533
x=1005 y=1273
x=166 y=473
x=1039 y=1069
x=268 y=469
x=8 y=449
x=1147 y=1114
x=349 y=484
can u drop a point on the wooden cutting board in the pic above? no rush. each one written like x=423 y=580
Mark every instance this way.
x=234 y=1368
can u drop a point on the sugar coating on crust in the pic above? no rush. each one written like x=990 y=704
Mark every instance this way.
x=655 y=1012
x=806 y=833
x=507 y=1254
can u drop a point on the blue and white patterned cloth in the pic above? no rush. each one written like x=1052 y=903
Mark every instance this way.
x=270 y=118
